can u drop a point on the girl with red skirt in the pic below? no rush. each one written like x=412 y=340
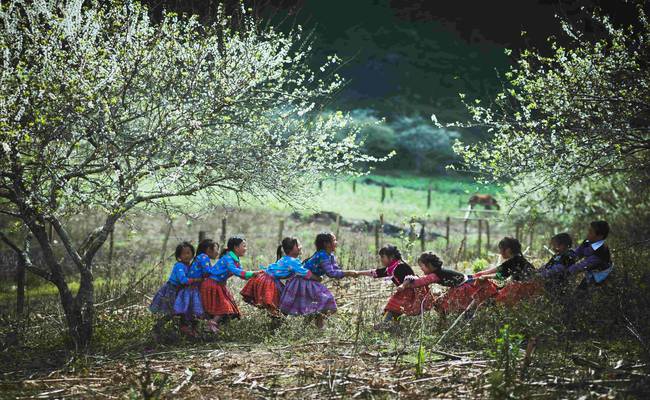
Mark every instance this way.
x=218 y=303
x=265 y=289
x=523 y=283
x=404 y=302
x=462 y=290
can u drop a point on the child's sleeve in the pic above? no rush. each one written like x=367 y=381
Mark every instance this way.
x=235 y=270
x=331 y=268
x=379 y=273
x=580 y=250
x=552 y=268
x=585 y=264
x=425 y=280
x=503 y=271
x=180 y=275
x=299 y=269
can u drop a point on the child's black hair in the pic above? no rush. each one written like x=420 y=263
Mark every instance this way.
x=389 y=250
x=204 y=245
x=287 y=245
x=181 y=246
x=563 y=239
x=232 y=243
x=322 y=239
x=429 y=259
x=512 y=244
x=601 y=228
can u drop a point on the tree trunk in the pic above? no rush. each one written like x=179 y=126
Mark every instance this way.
x=20 y=288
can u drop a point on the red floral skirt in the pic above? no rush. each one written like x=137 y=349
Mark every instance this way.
x=410 y=301
x=515 y=291
x=263 y=291
x=460 y=297
x=217 y=300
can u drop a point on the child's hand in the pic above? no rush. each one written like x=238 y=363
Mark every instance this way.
x=401 y=287
x=256 y=273
x=352 y=274
x=316 y=278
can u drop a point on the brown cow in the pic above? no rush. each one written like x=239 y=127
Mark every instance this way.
x=486 y=200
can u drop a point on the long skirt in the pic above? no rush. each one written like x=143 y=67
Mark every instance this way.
x=217 y=300
x=263 y=291
x=188 y=302
x=516 y=291
x=164 y=299
x=305 y=296
x=460 y=297
x=410 y=301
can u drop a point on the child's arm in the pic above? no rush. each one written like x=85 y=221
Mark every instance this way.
x=488 y=271
x=414 y=282
x=232 y=267
x=300 y=270
x=333 y=270
x=585 y=264
x=179 y=274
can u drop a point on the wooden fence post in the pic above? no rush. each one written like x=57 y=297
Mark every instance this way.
x=423 y=237
x=202 y=235
x=376 y=238
x=338 y=225
x=429 y=198
x=480 y=233
x=487 y=234
x=532 y=237
x=354 y=186
x=281 y=231
x=50 y=233
x=320 y=185
x=465 y=238
x=224 y=226
x=447 y=223
x=383 y=192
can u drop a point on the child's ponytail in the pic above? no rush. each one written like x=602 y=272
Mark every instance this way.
x=278 y=253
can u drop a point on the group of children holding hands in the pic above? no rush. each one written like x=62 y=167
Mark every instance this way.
x=197 y=287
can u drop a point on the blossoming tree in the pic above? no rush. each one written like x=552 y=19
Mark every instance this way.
x=100 y=107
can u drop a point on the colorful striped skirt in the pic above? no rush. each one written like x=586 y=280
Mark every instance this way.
x=305 y=296
x=217 y=300
x=164 y=299
x=263 y=291
x=188 y=302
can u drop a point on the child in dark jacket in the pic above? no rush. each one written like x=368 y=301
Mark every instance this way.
x=594 y=255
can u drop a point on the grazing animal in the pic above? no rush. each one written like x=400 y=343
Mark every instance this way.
x=486 y=200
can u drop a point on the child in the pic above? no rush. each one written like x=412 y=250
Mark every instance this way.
x=217 y=300
x=596 y=259
x=522 y=273
x=462 y=289
x=164 y=300
x=555 y=272
x=401 y=302
x=188 y=301
x=308 y=297
x=265 y=289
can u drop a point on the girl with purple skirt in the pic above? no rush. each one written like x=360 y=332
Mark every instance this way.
x=188 y=301
x=302 y=296
x=164 y=301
